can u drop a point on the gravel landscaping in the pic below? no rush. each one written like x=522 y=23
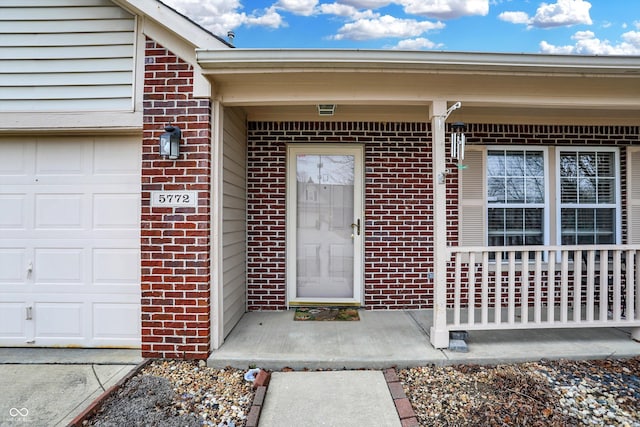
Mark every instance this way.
x=179 y=393
x=547 y=393
x=558 y=393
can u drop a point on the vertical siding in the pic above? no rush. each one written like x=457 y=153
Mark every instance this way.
x=234 y=217
x=66 y=55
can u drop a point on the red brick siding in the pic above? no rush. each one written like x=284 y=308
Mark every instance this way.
x=398 y=209
x=399 y=216
x=175 y=247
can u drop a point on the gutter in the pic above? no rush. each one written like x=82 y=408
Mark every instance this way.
x=260 y=60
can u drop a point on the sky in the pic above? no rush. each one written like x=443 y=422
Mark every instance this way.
x=575 y=27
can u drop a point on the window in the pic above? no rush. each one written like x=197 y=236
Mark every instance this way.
x=516 y=197
x=588 y=196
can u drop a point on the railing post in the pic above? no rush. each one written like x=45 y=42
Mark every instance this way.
x=439 y=335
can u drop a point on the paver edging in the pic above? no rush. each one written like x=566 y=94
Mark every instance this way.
x=95 y=406
x=405 y=411
x=260 y=385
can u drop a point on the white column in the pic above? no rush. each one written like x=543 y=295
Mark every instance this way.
x=438 y=333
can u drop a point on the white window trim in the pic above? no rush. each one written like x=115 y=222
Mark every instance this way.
x=545 y=205
x=618 y=194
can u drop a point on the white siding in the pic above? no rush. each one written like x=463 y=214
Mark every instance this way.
x=234 y=218
x=66 y=55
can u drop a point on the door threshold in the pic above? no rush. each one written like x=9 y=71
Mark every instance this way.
x=323 y=304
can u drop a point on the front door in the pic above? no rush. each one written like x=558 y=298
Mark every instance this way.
x=325 y=224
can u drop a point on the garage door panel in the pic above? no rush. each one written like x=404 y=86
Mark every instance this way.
x=59 y=319
x=115 y=265
x=13 y=211
x=13 y=266
x=60 y=156
x=16 y=158
x=116 y=157
x=59 y=211
x=13 y=320
x=116 y=320
x=57 y=265
x=119 y=211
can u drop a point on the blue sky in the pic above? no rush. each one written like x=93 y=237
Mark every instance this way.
x=582 y=27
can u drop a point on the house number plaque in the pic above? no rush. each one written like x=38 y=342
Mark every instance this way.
x=174 y=199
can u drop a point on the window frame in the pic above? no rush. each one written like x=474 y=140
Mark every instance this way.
x=617 y=232
x=546 y=219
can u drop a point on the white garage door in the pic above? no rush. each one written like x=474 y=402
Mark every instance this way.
x=69 y=241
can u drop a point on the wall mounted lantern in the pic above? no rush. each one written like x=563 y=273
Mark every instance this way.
x=170 y=142
x=457 y=141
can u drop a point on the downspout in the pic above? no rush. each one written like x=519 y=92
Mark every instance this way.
x=439 y=335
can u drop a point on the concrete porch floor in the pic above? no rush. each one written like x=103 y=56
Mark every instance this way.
x=382 y=339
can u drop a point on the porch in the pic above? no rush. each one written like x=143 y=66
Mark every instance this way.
x=380 y=339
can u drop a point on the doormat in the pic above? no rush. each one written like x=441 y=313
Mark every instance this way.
x=326 y=313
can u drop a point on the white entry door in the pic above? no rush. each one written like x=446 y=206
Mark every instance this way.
x=325 y=223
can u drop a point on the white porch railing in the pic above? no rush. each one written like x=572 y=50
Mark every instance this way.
x=542 y=287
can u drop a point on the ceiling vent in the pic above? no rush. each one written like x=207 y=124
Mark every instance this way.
x=326 y=109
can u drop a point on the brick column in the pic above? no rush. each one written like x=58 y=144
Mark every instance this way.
x=175 y=241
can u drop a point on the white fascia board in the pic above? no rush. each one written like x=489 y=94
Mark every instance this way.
x=385 y=60
x=95 y=121
x=174 y=22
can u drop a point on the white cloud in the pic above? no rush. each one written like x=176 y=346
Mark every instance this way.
x=587 y=44
x=220 y=16
x=385 y=26
x=366 y=4
x=564 y=13
x=299 y=7
x=445 y=9
x=271 y=18
x=346 y=11
x=419 y=43
x=514 y=17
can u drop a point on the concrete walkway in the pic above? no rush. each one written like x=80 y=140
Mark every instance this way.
x=49 y=387
x=382 y=339
x=331 y=398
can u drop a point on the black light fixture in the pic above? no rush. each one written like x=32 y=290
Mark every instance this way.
x=170 y=142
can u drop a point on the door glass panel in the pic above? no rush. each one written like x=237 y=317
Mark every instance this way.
x=325 y=212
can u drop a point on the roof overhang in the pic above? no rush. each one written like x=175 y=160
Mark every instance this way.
x=507 y=87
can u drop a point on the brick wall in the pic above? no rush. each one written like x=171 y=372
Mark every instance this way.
x=398 y=209
x=398 y=206
x=175 y=250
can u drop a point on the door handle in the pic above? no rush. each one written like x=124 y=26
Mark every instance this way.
x=356 y=225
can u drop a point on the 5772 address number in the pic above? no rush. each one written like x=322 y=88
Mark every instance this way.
x=174 y=199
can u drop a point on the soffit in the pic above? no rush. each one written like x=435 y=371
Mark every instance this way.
x=536 y=87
